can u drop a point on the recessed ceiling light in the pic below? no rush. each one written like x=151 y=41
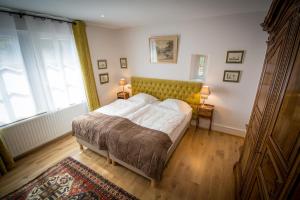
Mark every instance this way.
x=101 y=15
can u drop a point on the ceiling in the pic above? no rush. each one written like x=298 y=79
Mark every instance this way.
x=130 y=13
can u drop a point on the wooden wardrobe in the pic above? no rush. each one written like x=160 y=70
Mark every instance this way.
x=269 y=167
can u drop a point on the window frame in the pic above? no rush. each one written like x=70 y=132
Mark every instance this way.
x=196 y=65
x=34 y=70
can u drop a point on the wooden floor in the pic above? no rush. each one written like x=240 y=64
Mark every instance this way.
x=200 y=168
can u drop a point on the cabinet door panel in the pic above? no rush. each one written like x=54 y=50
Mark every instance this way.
x=271 y=66
x=249 y=155
x=266 y=82
x=255 y=193
x=272 y=181
x=255 y=128
x=286 y=132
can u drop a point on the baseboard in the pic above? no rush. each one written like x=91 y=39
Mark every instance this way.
x=223 y=129
x=229 y=130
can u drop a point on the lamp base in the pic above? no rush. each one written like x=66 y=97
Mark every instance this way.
x=203 y=102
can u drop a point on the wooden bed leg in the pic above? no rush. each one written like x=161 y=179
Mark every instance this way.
x=81 y=146
x=153 y=183
x=113 y=163
x=108 y=160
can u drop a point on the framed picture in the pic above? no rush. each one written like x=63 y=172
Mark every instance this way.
x=163 y=49
x=123 y=62
x=104 y=78
x=102 y=64
x=231 y=76
x=235 y=57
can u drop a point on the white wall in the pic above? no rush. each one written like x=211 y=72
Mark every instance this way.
x=210 y=36
x=104 y=44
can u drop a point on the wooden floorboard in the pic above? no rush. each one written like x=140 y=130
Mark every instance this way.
x=200 y=168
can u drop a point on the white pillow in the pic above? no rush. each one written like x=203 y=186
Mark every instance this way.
x=143 y=97
x=177 y=105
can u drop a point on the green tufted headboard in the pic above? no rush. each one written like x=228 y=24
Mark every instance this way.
x=162 y=89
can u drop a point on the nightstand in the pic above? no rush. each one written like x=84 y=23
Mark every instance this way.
x=123 y=95
x=205 y=111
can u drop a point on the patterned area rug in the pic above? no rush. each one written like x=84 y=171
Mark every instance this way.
x=69 y=179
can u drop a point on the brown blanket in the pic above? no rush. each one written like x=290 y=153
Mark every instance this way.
x=141 y=147
x=94 y=128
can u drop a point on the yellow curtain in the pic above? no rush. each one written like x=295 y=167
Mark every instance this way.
x=86 y=65
x=6 y=159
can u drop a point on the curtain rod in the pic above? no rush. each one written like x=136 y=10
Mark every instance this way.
x=36 y=15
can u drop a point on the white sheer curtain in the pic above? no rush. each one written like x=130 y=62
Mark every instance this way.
x=39 y=67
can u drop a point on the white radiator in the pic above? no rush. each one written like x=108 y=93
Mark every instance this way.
x=28 y=134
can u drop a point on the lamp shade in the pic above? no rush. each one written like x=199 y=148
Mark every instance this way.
x=205 y=91
x=122 y=82
x=128 y=86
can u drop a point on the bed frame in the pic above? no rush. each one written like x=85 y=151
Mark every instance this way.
x=162 y=89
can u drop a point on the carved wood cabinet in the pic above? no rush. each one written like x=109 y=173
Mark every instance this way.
x=269 y=164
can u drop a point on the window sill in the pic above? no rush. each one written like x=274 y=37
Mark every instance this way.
x=198 y=80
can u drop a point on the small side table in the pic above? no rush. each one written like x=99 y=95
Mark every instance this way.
x=123 y=95
x=205 y=111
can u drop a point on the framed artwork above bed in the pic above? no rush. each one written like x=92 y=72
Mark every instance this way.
x=163 y=49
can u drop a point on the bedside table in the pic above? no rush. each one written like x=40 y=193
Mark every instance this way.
x=123 y=95
x=205 y=111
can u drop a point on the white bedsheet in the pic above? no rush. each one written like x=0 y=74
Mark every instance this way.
x=158 y=118
x=151 y=116
x=120 y=107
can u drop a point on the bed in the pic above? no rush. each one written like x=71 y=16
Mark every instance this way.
x=161 y=89
x=120 y=108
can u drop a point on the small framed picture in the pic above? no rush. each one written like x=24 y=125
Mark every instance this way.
x=235 y=57
x=102 y=64
x=123 y=62
x=231 y=76
x=104 y=78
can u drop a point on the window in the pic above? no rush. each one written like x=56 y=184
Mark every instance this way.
x=39 y=67
x=198 y=67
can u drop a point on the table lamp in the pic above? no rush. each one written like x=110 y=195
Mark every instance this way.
x=205 y=92
x=122 y=83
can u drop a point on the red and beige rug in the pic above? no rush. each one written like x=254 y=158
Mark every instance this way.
x=69 y=179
